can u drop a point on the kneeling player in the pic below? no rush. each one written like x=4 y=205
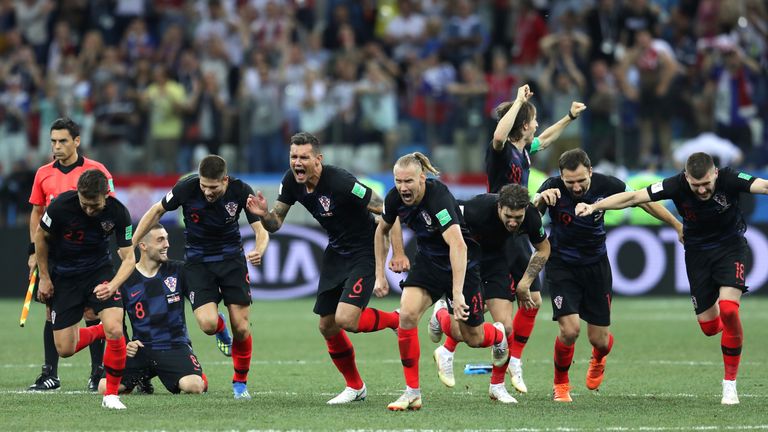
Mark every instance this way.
x=153 y=298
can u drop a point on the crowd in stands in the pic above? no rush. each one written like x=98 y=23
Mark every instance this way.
x=155 y=84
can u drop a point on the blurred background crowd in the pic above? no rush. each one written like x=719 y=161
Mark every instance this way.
x=157 y=84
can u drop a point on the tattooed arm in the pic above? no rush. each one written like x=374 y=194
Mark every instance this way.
x=376 y=204
x=538 y=259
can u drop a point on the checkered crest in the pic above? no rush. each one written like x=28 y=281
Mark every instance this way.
x=107 y=225
x=325 y=202
x=231 y=208
x=170 y=282
x=559 y=301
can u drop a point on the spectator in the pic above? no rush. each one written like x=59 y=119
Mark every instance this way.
x=465 y=37
x=14 y=107
x=266 y=144
x=378 y=109
x=165 y=100
x=405 y=32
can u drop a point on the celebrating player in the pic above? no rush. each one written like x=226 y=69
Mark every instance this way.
x=578 y=273
x=215 y=264
x=715 y=247
x=51 y=180
x=343 y=207
x=508 y=160
x=75 y=229
x=154 y=299
x=447 y=263
x=492 y=219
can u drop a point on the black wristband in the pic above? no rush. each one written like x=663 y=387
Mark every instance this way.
x=573 y=117
x=31 y=249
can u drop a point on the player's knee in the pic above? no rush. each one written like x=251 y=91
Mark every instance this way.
x=113 y=331
x=600 y=342
x=241 y=331
x=712 y=327
x=192 y=384
x=408 y=319
x=347 y=322
x=569 y=336
x=65 y=351
x=208 y=326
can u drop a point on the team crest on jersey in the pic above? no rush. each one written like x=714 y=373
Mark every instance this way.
x=722 y=200
x=170 y=282
x=559 y=301
x=427 y=217
x=231 y=208
x=325 y=202
x=107 y=225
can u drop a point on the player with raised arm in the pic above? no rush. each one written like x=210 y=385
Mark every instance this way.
x=344 y=207
x=75 y=267
x=215 y=264
x=154 y=300
x=578 y=273
x=447 y=263
x=52 y=179
x=715 y=247
x=492 y=219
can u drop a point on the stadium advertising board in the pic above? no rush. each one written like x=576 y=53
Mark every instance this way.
x=645 y=261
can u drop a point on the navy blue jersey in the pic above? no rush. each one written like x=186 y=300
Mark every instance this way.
x=155 y=306
x=509 y=165
x=711 y=223
x=80 y=243
x=437 y=211
x=211 y=230
x=482 y=218
x=580 y=240
x=340 y=204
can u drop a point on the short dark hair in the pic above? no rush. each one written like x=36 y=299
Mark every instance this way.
x=68 y=124
x=92 y=184
x=571 y=159
x=152 y=228
x=699 y=164
x=513 y=196
x=524 y=116
x=302 y=138
x=212 y=167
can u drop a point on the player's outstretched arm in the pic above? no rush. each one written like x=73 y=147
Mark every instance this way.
x=759 y=186
x=272 y=220
x=615 y=202
x=458 y=257
x=552 y=133
x=661 y=213
x=535 y=264
x=127 y=265
x=150 y=219
x=383 y=229
x=506 y=122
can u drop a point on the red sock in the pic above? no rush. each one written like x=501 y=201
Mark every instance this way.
x=241 y=358
x=372 y=320
x=599 y=354
x=563 y=360
x=491 y=335
x=343 y=355
x=711 y=328
x=731 y=340
x=88 y=335
x=205 y=382
x=220 y=325
x=498 y=373
x=114 y=364
x=450 y=343
x=408 y=340
x=522 y=326
x=444 y=318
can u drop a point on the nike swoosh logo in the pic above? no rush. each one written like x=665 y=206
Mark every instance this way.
x=134 y=294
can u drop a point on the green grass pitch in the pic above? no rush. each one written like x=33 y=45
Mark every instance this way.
x=663 y=375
